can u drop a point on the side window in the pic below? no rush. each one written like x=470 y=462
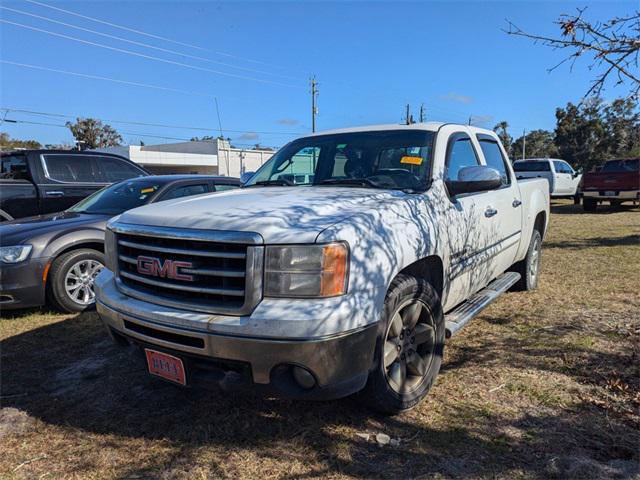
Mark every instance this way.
x=494 y=159
x=186 y=191
x=116 y=170
x=461 y=154
x=14 y=167
x=221 y=187
x=71 y=168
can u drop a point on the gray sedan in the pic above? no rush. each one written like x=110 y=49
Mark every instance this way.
x=55 y=258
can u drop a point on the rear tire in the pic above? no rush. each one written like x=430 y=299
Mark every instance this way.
x=589 y=204
x=410 y=348
x=71 y=278
x=529 y=268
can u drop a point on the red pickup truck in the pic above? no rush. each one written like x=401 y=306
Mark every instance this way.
x=617 y=181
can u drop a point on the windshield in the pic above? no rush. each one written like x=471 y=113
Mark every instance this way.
x=396 y=159
x=620 y=166
x=117 y=198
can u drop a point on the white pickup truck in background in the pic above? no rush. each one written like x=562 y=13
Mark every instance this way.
x=342 y=265
x=563 y=180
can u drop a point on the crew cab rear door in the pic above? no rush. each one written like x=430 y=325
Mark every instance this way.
x=504 y=218
x=67 y=179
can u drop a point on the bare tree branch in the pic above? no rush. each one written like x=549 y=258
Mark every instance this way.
x=613 y=47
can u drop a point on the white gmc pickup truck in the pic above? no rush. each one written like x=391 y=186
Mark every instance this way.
x=342 y=265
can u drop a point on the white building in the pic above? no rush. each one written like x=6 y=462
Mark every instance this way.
x=215 y=157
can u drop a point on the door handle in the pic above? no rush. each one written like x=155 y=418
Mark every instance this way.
x=490 y=212
x=55 y=193
x=516 y=203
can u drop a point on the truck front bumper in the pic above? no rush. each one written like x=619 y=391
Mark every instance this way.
x=339 y=363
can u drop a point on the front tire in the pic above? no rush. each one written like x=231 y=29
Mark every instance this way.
x=71 y=279
x=410 y=348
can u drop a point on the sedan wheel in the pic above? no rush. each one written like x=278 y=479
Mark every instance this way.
x=79 y=281
x=71 y=278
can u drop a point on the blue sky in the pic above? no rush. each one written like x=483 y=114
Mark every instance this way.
x=370 y=58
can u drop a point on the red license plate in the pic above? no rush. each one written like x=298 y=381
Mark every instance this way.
x=166 y=366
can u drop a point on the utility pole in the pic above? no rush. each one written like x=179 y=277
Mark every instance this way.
x=314 y=108
x=408 y=117
x=422 y=113
x=221 y=139
x=524 y=143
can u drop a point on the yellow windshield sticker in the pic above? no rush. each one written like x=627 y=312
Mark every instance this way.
x=411 y=160
x=148 y=190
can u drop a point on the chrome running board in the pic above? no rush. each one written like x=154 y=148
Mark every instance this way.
x=463 y=313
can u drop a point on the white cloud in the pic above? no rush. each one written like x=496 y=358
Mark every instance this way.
x=456 y=97
x=249 y=136
x=288 y=121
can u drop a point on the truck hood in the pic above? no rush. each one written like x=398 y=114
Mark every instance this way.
x=279 y=214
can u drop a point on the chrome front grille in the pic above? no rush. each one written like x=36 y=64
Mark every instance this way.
x=217 y=272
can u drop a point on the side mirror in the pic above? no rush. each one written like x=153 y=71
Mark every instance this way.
x=475 y=179
x=245 y=177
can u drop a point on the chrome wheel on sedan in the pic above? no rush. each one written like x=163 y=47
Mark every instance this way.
x=79 y=280
x=70 y=283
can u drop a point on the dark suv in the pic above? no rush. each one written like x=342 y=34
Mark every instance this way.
x=35 y=182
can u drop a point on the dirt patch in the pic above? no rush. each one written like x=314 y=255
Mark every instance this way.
x=15 y=422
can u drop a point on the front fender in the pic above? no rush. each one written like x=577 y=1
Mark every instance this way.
x=73 y=239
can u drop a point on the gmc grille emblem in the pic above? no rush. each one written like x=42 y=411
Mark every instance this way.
x=155 y=267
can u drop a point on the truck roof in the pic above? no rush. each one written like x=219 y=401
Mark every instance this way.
x=427 y=126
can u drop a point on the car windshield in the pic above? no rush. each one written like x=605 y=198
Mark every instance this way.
x=115 y=199
x=395 y=159
x=620 y=166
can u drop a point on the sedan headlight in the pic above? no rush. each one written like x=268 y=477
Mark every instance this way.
x=14 y=254
x=306 y=270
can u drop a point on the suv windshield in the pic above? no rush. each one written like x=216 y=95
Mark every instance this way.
x=117 y=198
x=395 y=159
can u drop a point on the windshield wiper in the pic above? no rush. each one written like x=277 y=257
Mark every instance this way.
x=362 y=182
x=277 y=182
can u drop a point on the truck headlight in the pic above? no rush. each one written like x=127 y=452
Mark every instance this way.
x=14 y=254
x=306 y=270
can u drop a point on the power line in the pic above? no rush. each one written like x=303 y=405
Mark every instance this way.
x=146 y=45
x=140 y=32
x=64 y=126
x=150 y=57
x=107 y=79
x=139 y=134
x=130 y=122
